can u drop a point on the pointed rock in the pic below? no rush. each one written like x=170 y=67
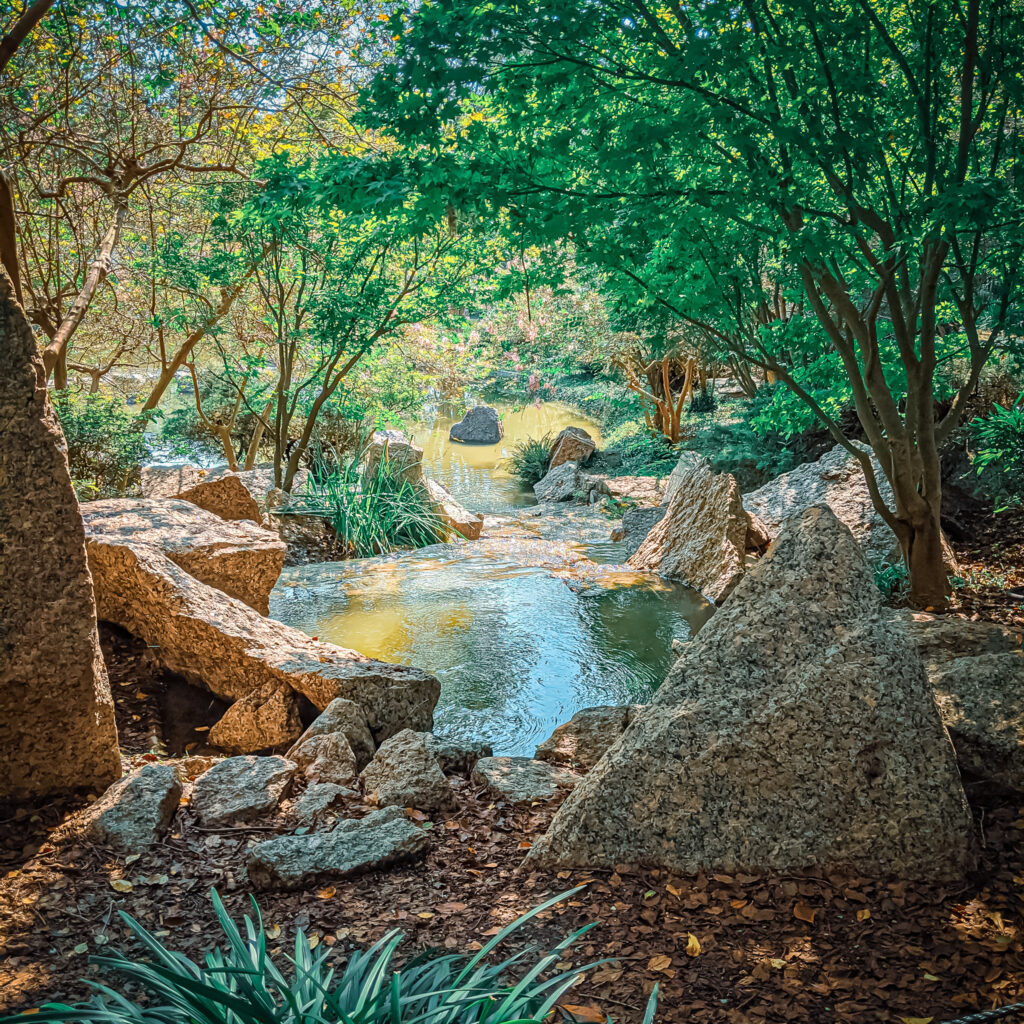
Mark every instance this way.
x=798 y=730
x=56 y=714
x=135 y=811
x=405 y=772
x=702 y=538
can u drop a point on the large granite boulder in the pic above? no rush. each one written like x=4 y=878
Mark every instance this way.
x=481 y=425
x=380 y=839
x=797 y=731
x=981 y=700
x=238 y=558
x=582 y=741
x=702 y=538
x=56 y=714
x=135 y=811
x=406 y=772
x=241 y=788
x=836 y=480
x=573 y=444
x=453 y=515
x=942 y=638
x=230 y=494
x=218 y=642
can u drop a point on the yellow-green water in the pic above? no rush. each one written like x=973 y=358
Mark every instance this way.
x=523 y=627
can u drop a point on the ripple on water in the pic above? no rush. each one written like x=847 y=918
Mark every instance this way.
x=518 y=647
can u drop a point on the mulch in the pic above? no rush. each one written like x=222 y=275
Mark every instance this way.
x=729 y=948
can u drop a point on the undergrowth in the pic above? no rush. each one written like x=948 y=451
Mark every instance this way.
x=528 y=460
x=244 y=983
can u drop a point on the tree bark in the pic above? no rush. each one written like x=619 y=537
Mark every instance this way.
x=9 y=238
x=56 y=351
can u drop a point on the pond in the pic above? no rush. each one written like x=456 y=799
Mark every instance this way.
x=523 y=627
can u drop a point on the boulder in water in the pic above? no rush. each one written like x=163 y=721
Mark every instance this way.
x=481 y=425
x=573 y=444
x=452 y=514
x=797 y=731
x=559 y=484
x=702 y=538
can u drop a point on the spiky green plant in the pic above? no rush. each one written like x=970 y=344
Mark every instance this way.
x=528 y=460
x=243 y=984
x=372 y=513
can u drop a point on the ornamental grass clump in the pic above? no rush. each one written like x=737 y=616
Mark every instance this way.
x=244 y=983
x=528 y=460
x=372 y=512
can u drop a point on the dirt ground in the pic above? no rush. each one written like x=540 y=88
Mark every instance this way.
x=768 y=948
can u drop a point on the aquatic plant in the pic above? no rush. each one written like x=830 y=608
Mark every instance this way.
x=244 y=982
x=528 y=460
x=372 y=512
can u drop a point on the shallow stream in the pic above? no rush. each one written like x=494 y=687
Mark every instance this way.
x=523 y=627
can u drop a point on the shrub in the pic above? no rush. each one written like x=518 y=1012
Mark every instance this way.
x=371 y=513
x=642 y=452
x=244 y=983
x=892 y=579
x=105 y=443
x=528 y=460
x=998 y=452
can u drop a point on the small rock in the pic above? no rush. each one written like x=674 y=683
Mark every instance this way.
x=136 y=810
x=521 y=780
x=240 y=788
x=636 y=524
x=454 y=516
x=346 y=717
x=581 y=742
x=573 y=444
x=266 y=718
x=458 y=757
x=382 y=838
x=315 y=805
x=559 y=484
x=481 y=425
x=327 y=758
x=405 y=772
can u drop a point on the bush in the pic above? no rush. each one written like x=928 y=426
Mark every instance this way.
x=528 y=460
x=371 y=513
x=998 y=452
x=105 y=443
x=892 y=579
x=642 y=452
x=243 y=983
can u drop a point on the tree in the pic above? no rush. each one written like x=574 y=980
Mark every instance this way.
x=869 y=149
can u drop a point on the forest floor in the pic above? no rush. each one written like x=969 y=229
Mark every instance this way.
x=771 y=948
x=768 y=948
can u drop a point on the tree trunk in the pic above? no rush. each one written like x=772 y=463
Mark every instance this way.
x=60 y=370
x=257 y=435
x=925 y=556
x=8 y=237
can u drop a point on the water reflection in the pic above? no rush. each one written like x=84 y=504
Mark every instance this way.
x=518 y=647
x=475 y=474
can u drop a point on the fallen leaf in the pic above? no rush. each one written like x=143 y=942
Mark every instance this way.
x=802 y=912
x=692 y=945
x=121 y=885
x=863 y=915
x=326 y=894
x=659 y=963
x=777 y=963
x=673 y=890
x=273 y=931
x=917 y=1020
x=587 y=1014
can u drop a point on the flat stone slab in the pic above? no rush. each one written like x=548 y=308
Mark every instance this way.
x=380 y=839
x=522 y=780
x=238 y=558
x=241 y=788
